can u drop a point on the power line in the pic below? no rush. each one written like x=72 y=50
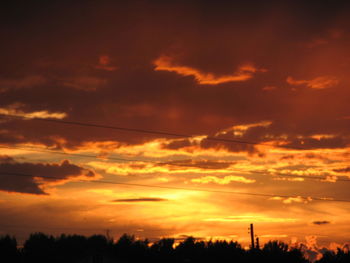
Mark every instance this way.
x=158 y=133
x=126 y=129
x=187 y=189
x=171 y=163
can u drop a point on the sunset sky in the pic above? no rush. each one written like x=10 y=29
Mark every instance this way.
x=227 y=96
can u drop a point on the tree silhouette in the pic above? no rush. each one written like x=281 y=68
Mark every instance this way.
x=276 y=251
x=71 y=248
x=331 y=257
x=41 y=248
x=8 y=249
x=163 y=250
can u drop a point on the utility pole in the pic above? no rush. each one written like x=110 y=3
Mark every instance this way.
x=257 y=243
x=252 y=235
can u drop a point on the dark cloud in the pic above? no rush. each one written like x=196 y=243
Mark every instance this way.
x=287 y=157
x=20 y=176
x=203 y=164
x=141 y=199
x=177 y=144
x=230 y=146
x=343 y=170
x=310 y=143
x=40 y=71
x=321 y=222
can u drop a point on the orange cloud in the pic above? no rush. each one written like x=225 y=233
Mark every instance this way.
x=240 y=130
x=44 y=114
x=226 y=180
x=245 y=72
x=322 y=82
x=124 y=169
x=290 y=200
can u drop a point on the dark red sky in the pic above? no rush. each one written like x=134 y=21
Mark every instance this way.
x=274 y=72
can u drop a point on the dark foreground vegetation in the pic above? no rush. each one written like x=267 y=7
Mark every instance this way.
x=41 y=248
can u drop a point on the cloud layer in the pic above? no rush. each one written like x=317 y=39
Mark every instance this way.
x=27 y=177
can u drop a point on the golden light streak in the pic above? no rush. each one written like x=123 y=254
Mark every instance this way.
x=250 y=218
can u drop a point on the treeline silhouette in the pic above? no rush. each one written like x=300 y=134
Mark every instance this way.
x=42 y=248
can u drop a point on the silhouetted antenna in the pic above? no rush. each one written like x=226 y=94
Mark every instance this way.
x=251 y=231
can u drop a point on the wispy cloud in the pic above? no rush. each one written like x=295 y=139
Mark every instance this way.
x=321 y=222
x=86 y=83
x=23 y=82
x=225 y=180
x=104 y=63
x=243 y=73
x=43 y=114
x=343 y=170
x=322 y=82
x=290 y=200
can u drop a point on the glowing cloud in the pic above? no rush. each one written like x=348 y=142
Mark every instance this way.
x=240 y=130
x=243 y=73
x=226 y=180
x=322 y=82
x=290 y=200
x=44 y=114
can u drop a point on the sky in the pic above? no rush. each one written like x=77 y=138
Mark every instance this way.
x=226 y=96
